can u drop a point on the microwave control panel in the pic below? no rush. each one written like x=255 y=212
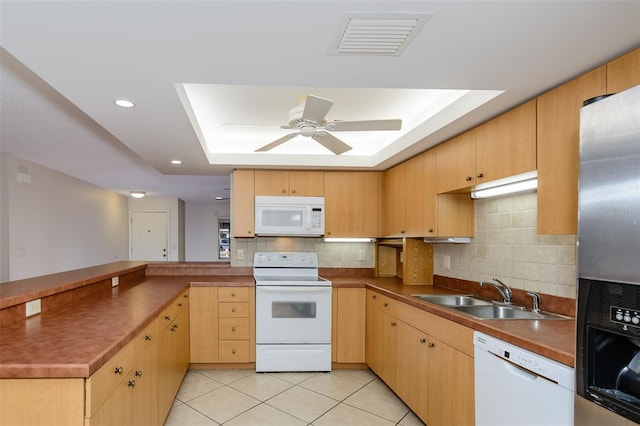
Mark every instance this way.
x=625 y=316
x=316 y=217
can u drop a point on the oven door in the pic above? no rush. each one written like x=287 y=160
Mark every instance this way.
x=286 y=314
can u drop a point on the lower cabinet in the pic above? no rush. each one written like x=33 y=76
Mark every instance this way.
x=431 y=375
x=222 y=325
x=348 y=325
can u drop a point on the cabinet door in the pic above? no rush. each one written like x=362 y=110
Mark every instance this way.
x=506 y=145
x=145 y=399
x=243 y=221
x=371 y=332
x=421 y=195
x=352 y=204
x=387 y=338
x=395 y=200
x=455 y=215
x=558 y=129
x=413 y=369
x=271 y=182
x=451 y=386
x=118 y=408
x=350 y=305
x=306 y=183
x=456 y=163
x=204 y=324
x=624 y=72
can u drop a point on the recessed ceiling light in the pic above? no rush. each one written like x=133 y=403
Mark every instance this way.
x=137 y=194
x=124 y=103
x=176 y=161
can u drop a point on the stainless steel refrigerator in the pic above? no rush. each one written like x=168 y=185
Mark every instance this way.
x=608 y=311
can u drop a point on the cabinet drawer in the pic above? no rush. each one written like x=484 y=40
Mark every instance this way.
x=233 y=328
x=233 y=351
x=233 y=294
x=146 y=337
x=104 y=381
x=233 y=310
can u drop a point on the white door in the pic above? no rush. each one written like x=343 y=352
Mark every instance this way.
x=149 y=236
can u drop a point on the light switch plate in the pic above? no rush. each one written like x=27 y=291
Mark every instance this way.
x=240 y=254
x=33 y=307
x=447 y=262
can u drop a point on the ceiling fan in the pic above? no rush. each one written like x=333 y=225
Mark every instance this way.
x=309 y=119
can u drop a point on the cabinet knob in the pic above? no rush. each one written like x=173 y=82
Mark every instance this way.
x=185 y=296
x=402 y=231
x=385 y=304
x=329 y=233
x=431 y=344
x=284 y=191
x=233 y=309
x=233 y=351
x=138 y=373
x=249 y=232
x=393 y=324
x=147 y=337
x=179 y=305
x=168 y=318
x=373 y=296
x=131 y=383
x=233 y=329
x=468 y=178
x=430 y=230
x=423 y=340
x=118 y=370
x=293 y=191
x=233 y=295
x=480 y=175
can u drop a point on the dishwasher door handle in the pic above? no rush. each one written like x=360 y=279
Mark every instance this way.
x=518 y=369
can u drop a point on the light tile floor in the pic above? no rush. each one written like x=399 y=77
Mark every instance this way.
x=247 y=398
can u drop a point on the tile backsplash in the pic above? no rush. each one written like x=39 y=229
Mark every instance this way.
x=507 y=247
x=330 y=255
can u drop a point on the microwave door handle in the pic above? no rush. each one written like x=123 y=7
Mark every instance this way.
x=293 y=289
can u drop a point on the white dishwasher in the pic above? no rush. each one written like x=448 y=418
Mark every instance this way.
x=516 y=387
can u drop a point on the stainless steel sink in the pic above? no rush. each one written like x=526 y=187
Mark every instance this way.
x=452 y=299
x=505 y=312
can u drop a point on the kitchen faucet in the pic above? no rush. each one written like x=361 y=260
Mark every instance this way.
x=504 y=289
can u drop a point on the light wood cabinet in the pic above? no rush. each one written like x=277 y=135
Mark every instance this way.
x=506 y=145
x=353 y=204
x=456 y=163
x=395 y=201
x=223 y=329
x=289 y=182
x=424 y=359
x=420 y=213
x=243 y=197
x=624 y=72
x=348 y=325
x=558 y=151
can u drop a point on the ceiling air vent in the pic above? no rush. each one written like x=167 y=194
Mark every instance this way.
x=376 y=34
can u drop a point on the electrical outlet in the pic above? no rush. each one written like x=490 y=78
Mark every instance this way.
x=362 y=256
x=447 y=262
x=114 y=281
x=33 y=307
x=240 y=254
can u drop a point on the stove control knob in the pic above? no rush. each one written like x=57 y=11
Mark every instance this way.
x=627 y=318
x=619 y=316
x=635 y=320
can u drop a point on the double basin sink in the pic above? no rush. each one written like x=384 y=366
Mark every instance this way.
x=482 y=309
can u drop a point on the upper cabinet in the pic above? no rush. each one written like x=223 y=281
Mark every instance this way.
x=623 y=72
x=456 y=163
x=243 y=222
x=395 y=200
x=352 y=204
x=559 y=139
x=289 y=182
x=420 y=183
x=506 y=145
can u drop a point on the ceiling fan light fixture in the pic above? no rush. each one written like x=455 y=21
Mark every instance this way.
x=137 y=194
x=124 y=103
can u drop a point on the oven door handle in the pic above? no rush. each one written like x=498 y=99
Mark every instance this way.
x=292 y=289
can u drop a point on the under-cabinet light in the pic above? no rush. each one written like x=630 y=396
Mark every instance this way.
x=348 y=240
x=525 y=182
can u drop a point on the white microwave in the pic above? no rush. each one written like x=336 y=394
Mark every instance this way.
x=289 y=216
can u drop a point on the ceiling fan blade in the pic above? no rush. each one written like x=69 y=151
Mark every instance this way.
x=277 y=142
x=363 y=126
x=316 y=108
x=330 y=142
x=273 y=126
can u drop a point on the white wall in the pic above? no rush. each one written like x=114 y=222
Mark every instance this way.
x=506 y=246
x=202 y=229
x=57 y=223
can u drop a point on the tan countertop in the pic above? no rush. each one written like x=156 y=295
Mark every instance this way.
x=74 y=340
